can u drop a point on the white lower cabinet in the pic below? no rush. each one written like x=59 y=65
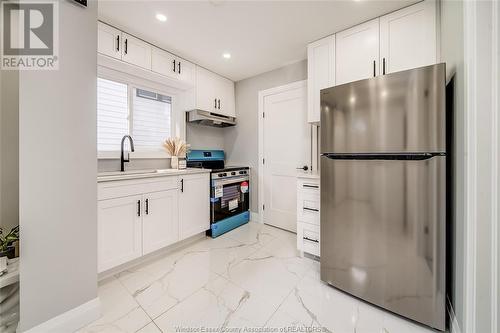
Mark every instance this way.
x=308 y=218
x=194 y=205
x=137 y=217
x=160 y=224
x=119 y=231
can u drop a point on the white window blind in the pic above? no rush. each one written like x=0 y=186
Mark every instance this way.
x=112 y=114
x=151 y=119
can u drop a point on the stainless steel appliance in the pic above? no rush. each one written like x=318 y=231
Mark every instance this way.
x=383 y=191
x=229 y=190
x=209 y=118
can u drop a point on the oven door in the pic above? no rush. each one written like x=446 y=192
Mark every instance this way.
x=229 y=197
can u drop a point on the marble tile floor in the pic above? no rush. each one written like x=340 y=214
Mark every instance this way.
x=250 y=278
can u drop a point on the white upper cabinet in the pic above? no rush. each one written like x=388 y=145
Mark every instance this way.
x=194 y=205
x=109 y=40
x=214 y=93
x=408 y=37
x=321 y=73
x=160 y=224
x=357 y=52
x=227 y=103
x=136 y=52
x=165 y=63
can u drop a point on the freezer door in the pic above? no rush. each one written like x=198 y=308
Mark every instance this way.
x=399 y=112
x=383 y=233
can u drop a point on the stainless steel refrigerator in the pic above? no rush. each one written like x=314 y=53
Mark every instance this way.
x=383 y=191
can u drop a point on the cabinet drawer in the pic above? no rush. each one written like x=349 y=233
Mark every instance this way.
x=308 y=186
x=308 y=208
x=124 y=188
x=308 y=238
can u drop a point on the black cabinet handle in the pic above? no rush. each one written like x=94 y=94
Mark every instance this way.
x=182 y=185
x=219 y=104
x=383 y=66
x=311 y=209
x=179 y=66
x=147 y=206
x=374 y=70
x=126 y=46
x=139 y=208
x=174 y=66
x=311 y=240
x=310 y=186
x=215 y=101
x=118 y=43
x=305 y=168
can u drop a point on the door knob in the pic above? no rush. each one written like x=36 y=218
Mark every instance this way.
x=305 y=168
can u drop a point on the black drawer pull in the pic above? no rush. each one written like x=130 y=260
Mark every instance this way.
x=310 y=186
x=147 y=206
x=139 y=208
x=311 y=240
x=311 y=209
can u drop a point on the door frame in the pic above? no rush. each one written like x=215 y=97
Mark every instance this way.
x=262 y=95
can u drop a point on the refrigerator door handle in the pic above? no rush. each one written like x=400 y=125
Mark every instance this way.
x=383 y=157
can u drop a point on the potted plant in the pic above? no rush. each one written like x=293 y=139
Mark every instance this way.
x=7 y=248
x=176 y=147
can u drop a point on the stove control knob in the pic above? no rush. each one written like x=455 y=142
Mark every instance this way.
x=233 y=173
x=221 y=175
x=224 y=174
x=243 y=172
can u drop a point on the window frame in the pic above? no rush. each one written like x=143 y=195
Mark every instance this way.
x=177 y=120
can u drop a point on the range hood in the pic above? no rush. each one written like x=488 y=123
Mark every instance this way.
x=209 y=118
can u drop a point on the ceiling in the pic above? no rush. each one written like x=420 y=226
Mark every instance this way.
x=259 y=35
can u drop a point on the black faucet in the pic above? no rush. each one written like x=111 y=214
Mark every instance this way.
x=122 y=157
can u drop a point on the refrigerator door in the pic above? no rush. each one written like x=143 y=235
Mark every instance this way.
x=383 y=233
x=402 y=112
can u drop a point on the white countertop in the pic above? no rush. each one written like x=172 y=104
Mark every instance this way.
x=137 y=174
x=308 y=175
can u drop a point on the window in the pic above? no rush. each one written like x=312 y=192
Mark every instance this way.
x=146 y=116
x=151 y=119
x=112 y=114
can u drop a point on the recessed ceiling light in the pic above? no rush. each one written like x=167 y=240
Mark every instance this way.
x=161 y=17
x=226 y=55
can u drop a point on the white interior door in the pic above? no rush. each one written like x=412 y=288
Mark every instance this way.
x=286 y=144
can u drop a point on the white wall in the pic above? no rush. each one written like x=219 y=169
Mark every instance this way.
x=482 y=42
x=205 y=137
x=58 y=190
x=9 y=149
x=452 y=52
x=241 y=141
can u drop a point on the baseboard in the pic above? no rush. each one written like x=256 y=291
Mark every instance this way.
x=254 y=217
x=454 y=326
x=71 y=320
x=150 y=257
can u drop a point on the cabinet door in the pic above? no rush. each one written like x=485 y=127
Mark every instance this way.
x=136 y=52
x=408 y=37
x=119 y=231
x=321 y=73
x=160 y=223
x=185 y=71
x=357 y=52
x=194 y=205
x=226 y=93
x=205 y=92
x=162 y=62
x=109 y=40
